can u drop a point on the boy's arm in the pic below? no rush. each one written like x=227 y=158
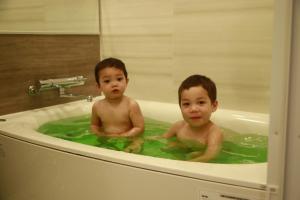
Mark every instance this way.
x=96 y=124
x=137 y=120
x=173 y=129
x=214 y=145
x=170 y=133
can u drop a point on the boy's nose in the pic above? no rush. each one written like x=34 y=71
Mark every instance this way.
x=194 y=108
x=114 y=83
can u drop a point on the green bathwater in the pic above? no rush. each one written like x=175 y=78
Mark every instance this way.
x=237 y=147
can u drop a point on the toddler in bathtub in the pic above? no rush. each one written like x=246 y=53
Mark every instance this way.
x=196 y=133
x=116 y=115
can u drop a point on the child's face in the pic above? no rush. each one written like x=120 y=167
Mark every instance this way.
x=196 y=106
x=112 y=82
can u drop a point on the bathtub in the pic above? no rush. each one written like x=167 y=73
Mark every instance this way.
x=34 y=166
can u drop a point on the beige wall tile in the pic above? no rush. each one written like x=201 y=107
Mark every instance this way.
x=229 y=41
x=137 y=46
x=49 y=16
x=151 y=87
x=142 y=17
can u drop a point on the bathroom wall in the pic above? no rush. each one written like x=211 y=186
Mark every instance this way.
x=43 y=40
x=162 y=42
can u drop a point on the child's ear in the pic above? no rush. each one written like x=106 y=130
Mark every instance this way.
x=127 y=80
x=215 y=105
x=99 y=88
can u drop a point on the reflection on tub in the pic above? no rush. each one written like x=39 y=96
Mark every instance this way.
x=237 y=147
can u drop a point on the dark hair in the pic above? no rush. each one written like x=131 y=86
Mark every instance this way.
x=198 y=80
x=109 y=62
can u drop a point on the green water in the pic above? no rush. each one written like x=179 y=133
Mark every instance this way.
x=237 y=148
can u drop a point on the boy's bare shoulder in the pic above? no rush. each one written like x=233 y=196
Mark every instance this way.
x=216 y=132
x=98 y=103
x=216 y=128
x=178 y=124
x=174 y=129
x=131 y=102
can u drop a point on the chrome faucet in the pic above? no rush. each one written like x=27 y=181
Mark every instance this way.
x=61 y=84
x=63 y=93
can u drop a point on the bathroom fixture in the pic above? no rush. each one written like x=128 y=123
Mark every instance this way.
x=63 y=93
x=61 y=84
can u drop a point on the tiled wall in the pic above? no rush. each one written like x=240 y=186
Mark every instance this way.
x=25 y=59
x=162 y=42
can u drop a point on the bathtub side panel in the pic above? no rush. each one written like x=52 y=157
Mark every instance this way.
x=32 y=172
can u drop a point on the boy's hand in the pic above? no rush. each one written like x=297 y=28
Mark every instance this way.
x=100 y=134
x=174 y=146
x=133 y=149
x=135 y=146
x=154 y=137
x=192 y=155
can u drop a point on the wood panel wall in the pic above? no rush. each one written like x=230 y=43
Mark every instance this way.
x=25 y=59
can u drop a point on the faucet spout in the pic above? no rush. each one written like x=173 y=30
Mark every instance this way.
x=63 y=94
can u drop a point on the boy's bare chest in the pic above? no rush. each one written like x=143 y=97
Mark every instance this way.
x=185 y=135
x=114 y=114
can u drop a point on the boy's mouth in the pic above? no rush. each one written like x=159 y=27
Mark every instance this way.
x=195 y=117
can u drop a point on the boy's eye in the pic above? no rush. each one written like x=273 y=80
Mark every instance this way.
x=201 y=102
x=106 y=81
x=185 y=104
x=120 y=78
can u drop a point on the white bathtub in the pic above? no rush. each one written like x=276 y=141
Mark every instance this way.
x=34 y=166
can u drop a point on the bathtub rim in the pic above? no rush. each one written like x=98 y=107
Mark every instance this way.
x=235 y=173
